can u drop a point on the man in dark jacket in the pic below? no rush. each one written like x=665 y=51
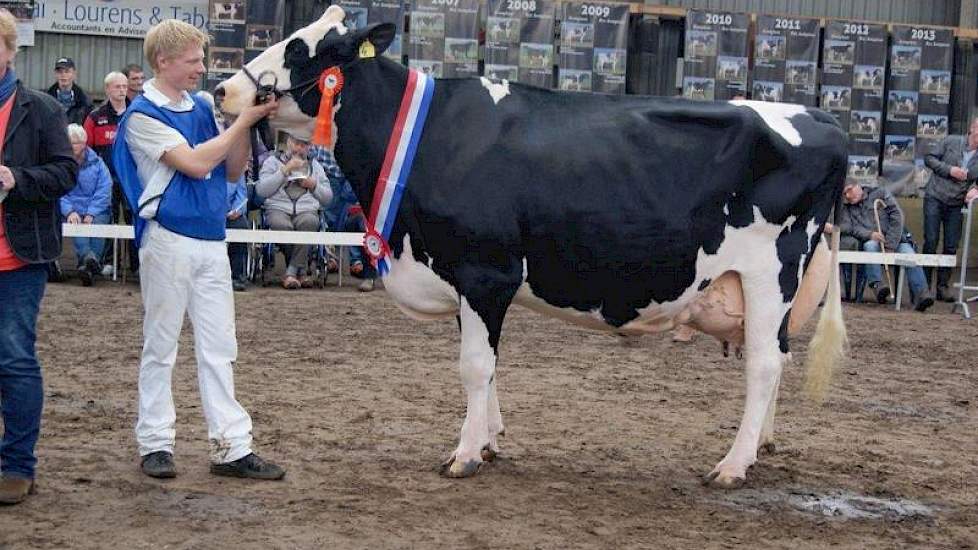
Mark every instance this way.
x=73 y=99
x=37 y=169
x=954 y=166
x=871 y=217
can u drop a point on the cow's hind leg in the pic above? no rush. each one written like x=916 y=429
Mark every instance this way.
x=765 y=314
x=477 y=365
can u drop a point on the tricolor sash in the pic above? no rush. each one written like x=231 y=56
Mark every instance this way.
x=401 y=148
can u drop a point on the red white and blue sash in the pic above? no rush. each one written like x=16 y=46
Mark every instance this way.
x=401 y=148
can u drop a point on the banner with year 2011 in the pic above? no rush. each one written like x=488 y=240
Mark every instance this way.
x=519 y=41
x=785 y=60
x=593 y=45
x=918 y=103
x=853 y=74
x=443 y=37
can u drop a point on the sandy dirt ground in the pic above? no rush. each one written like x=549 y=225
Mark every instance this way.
x=605 y=442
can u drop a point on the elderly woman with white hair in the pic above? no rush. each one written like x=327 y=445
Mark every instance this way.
x=88 y=202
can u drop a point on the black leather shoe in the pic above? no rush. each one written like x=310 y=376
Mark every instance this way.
x=883 y=294
x=923 y=303
x=159 y=465
x=945 y=295
x=250 y=466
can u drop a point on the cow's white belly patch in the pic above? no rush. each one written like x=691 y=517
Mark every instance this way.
x=777 y=116
x=417 y=290
x=497 y=90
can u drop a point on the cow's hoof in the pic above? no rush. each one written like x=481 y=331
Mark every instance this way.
x=769 y=448
x=724 y=479
x=488 y=454
x=455 y=468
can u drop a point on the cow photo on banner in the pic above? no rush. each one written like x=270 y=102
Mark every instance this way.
x=443 y=38
x=240 y=30
x=715 y=64
x=853 y=74
x=786 y=60
x=593 y=47
x=917 y=103
x=360 y=13
x=519 y=41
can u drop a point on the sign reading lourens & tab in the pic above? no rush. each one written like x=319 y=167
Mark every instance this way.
x=127 y=18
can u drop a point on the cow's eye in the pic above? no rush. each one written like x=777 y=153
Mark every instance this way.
x=296 y=53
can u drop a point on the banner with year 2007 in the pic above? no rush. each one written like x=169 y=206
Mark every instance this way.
x=918 y=103
x=853 y=71
x=715 y=64
x=785 y=60
x=443 y=38
x=593 y=46
x=519 y=41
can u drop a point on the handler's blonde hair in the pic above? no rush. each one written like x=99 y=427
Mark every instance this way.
x=8 y=29
x=171 y=37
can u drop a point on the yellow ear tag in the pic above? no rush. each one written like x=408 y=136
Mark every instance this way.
x=367 y=50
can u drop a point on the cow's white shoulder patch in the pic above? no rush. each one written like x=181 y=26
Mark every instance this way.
x=777 y=116
x=497 y=90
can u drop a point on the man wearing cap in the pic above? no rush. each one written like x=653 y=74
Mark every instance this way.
x=74 y=101
x=295 y=189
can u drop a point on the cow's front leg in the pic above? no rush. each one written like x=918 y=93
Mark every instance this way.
x=765 y=312
x=496 y=427
x=477 y=364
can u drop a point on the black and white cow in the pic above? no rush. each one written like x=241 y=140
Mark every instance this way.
x=617 y=213
x=261 y=38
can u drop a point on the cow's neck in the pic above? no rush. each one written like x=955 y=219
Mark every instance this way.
x=372 y=92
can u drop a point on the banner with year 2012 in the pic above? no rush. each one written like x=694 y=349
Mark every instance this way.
x=593 y=46
x=785 y=60
x=443 y=38
x=715 y=64
x=853 y=74
x=918 y=103
x=519 y=41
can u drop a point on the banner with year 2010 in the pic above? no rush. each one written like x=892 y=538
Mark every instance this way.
x=593 y=47
x=715 y=63
x=519 y=41
x=785 y=60
x=917 y=105
x=853 y=74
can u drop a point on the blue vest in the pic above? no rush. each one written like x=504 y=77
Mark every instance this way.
x=188 y=206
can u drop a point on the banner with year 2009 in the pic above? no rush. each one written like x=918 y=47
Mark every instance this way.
x=593 y=46
x=519 y=41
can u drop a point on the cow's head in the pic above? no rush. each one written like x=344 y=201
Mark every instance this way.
x=299 y=60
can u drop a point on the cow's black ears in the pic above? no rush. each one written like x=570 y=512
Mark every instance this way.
x=380 y=35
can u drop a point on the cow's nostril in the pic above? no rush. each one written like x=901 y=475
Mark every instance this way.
x=219 y=93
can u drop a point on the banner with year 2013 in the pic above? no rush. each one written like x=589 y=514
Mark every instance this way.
x=918 y=103
x=853 y=71
x=785 y=60
x=593 y=46
x=519 y=41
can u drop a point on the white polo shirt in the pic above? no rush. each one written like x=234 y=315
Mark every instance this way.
x=148 y=140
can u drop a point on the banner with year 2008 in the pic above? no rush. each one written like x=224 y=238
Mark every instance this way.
x=443 y=38
x=853 y=71
x=593 y=47
x=519 y=41
x=918 y=103
x=785 y=60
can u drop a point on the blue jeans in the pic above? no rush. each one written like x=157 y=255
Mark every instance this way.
x=915 y=275
x=238 y=252
x=357 y=254
x=86 y=247
x=21 y=391
x=936 y=215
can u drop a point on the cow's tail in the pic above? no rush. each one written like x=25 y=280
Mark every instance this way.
x=827 y=348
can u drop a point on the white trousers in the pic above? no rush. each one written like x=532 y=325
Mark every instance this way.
x=181 y=275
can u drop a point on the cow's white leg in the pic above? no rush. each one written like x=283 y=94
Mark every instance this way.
x=477 y=363
x=767 y=431
x=765 y=312
x=496 y=427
